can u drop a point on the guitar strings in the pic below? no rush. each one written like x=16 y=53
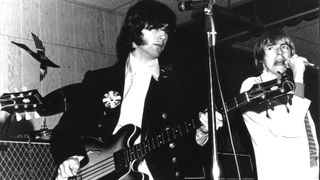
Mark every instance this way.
x=96 y=169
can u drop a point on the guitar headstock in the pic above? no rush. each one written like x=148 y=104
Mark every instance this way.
x=271 y=89
x=21 y=102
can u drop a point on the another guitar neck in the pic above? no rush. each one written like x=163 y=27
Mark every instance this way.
x=239 y=101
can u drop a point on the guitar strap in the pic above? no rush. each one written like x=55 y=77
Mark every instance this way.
x=312 y=144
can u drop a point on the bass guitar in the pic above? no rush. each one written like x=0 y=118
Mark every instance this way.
x=119 y=159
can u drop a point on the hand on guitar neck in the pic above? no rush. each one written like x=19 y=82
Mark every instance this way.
x=69 y=168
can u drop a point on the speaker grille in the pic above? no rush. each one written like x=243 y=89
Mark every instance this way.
x=26 y=160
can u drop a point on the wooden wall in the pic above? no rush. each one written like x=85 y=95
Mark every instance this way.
x=78 y=37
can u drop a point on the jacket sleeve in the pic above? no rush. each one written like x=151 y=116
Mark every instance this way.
x=66 y=136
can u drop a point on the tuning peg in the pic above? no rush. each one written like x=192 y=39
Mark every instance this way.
x=36 y=115
x=18 y=117
x=27 y=116
x=24 y=88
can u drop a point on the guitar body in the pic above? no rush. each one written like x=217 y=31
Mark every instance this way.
x=100 y=163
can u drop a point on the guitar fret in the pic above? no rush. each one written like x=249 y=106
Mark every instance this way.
x=159 y=140
x=127 y=156
x=169 y=133
x=145 y=147
x=247 y=97
x=192 y=124
x=174 y=133
x=186 y=126
x=179 y=130
x=140 y=150
x=235 y=100
x=156 y=142
x=130 y=153
x=153 y=144
x=166 y=137
x=162 y=139
x=136 y=151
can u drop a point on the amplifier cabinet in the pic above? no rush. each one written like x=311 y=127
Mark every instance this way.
x=21 y=160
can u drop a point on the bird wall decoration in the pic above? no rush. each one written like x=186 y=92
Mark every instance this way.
x=39 y=55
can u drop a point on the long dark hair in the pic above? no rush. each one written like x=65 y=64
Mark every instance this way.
x=147 y=14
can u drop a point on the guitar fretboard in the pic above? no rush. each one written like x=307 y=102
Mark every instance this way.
x=238 y=101
x=137 y=151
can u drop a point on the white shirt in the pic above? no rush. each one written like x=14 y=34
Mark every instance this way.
x=280 y=141
x=137 y=81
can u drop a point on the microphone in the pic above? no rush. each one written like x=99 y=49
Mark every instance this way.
x=312 y=66
x=190 y=5
x=306 y=64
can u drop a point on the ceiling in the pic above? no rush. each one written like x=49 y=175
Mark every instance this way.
x=240 y=21
x=121 y=6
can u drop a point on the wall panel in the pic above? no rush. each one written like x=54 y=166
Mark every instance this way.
x=77 y=37
x=29 y=18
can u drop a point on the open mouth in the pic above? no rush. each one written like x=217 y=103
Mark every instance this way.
x=280 y=63
x=159 y=45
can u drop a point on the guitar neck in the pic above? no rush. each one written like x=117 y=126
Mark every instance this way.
x=262 y=92
x=169 y=135
x=237 y=102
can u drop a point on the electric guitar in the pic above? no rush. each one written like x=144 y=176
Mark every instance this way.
x=118 y=159
x=21 y=102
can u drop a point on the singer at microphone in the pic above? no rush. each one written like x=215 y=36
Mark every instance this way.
x=283 y=120
x=306 y=63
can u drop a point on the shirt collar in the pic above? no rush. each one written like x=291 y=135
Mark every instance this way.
x=134 y=66
x=267 y=76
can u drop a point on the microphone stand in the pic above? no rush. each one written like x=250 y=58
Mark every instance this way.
x=211 y=38
x=212 y=62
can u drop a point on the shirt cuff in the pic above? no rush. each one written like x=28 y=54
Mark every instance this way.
x=299 y=91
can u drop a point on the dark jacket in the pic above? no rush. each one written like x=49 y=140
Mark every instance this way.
x=89 y=117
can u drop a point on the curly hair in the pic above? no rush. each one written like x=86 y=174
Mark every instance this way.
x=148 y=14
x=269 y=37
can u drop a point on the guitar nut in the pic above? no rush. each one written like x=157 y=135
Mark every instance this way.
x=174 y=160
x=164 y=115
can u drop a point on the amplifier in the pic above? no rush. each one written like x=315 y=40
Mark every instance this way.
x=21 y=159
x=228 y=170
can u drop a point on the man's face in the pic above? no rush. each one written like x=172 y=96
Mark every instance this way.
x=276 y=56
x=154 y=42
